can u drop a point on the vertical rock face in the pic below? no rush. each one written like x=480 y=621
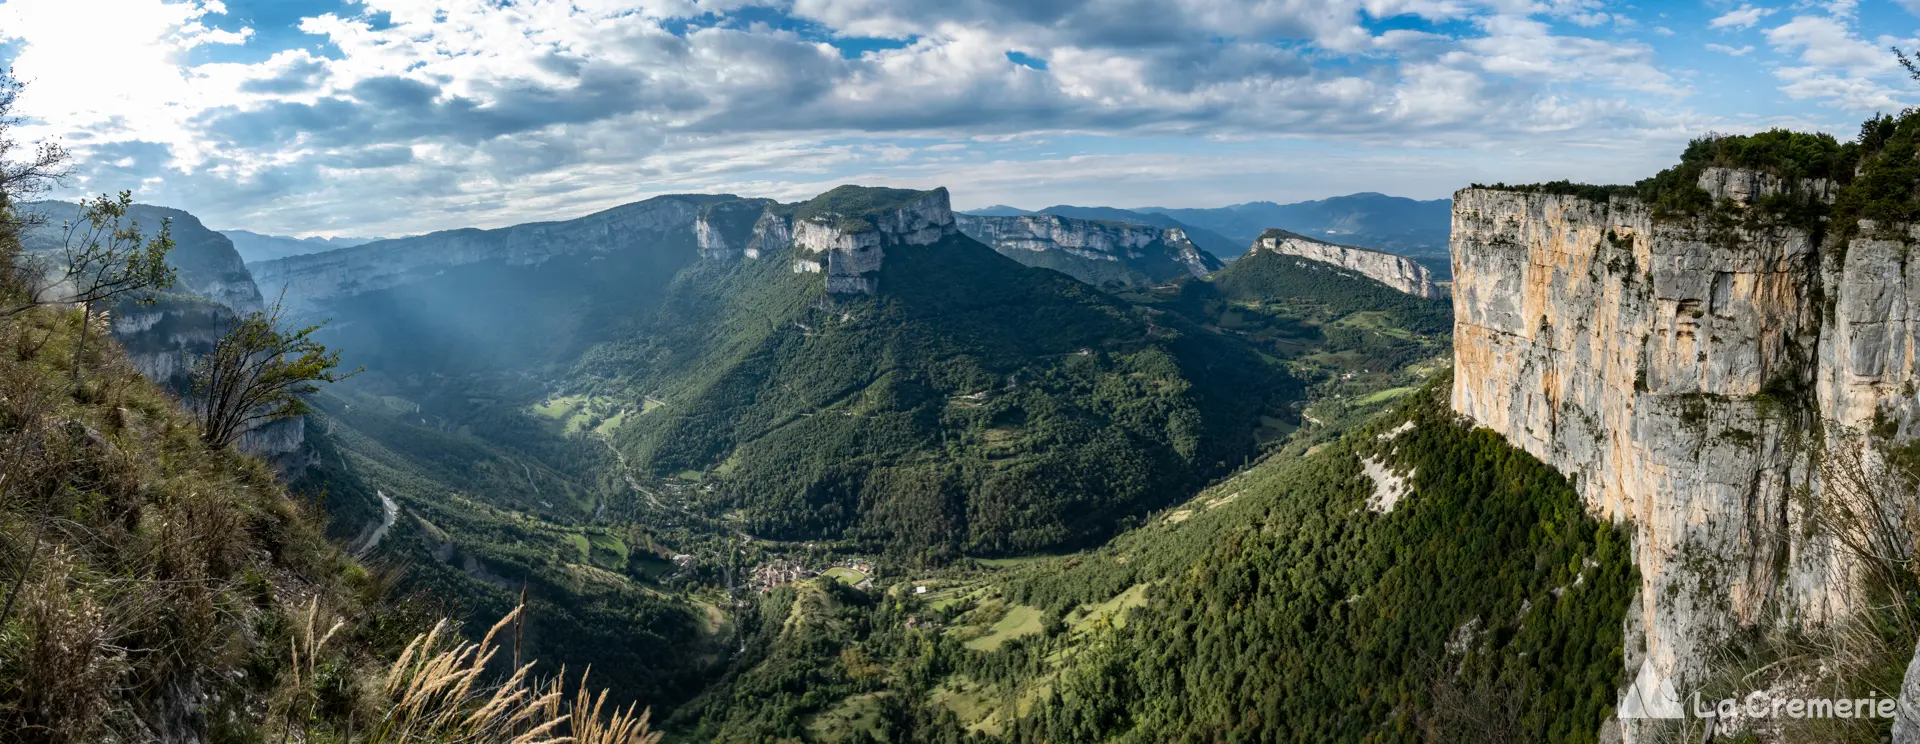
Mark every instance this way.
x=1674 y=370
x=726 y=230
x=845 y=232
x=1398 y=272
x=773 y=231
x=1093 y=251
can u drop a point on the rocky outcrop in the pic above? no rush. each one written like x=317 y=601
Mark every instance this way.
x=1398 y=272
x=726 y=230
x=1093 y=251
x=846 y=232
x=1674 y=369
x=314 y=279
x=212 y=289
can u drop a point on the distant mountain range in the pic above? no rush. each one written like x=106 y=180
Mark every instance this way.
x=1417 y=229
x=254 y=247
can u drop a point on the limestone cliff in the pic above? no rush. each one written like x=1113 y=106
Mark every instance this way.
x=1398 y=272
x=1093 y=251
x=726 y=230
x=1675 y=367
x=845 y=232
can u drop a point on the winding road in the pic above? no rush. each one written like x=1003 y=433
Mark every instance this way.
x=389 y=512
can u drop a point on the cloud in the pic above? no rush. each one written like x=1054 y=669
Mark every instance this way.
x=1741 y=18
x=425 y=114
x=1741 y=51
x=1827 y=42
x=1835 y=67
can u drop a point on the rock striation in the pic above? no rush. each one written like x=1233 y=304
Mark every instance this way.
x=1675 y=368
x=1398 y=272
x=1093 y=251
x=845 y=233
x=726 y=230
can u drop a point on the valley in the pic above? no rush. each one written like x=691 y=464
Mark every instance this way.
x=734 y=397
x=860 y=468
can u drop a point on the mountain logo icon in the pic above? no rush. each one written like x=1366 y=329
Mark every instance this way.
x=1651 y=696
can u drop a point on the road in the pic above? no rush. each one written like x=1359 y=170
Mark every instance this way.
x=389 y=512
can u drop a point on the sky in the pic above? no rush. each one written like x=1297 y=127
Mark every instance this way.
x=387 y=117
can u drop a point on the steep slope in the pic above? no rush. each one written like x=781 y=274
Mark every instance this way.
x=154 y=586
x=1093 y=251
x=927 y=393
x=163 y=338
x=1415 y=228
x=509 y=299
x=1690 y=350
x=1415 y=581
x=1398 y=272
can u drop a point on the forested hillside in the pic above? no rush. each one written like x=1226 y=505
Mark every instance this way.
x=973 y=406
x=1415 y=581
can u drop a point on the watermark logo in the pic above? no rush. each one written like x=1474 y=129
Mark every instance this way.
x=1652 y=696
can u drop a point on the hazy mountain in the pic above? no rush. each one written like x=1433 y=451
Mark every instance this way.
x=1418 y=229
x=997 y=210
x=255 y=247
x=1097 y=252
x=1208 y=240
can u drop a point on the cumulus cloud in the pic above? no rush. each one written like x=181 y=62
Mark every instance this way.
x=1741 y=18
x=425 y=114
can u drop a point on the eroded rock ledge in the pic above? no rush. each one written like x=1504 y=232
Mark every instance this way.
x=1398 y=272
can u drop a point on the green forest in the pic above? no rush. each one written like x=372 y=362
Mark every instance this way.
x=1275 y=606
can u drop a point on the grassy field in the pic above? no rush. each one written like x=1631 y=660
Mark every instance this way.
x=846 y=575
x=1112 y=611
x=1020 y=620
x=581 y=544
x=857 y=714
x=1383 y=396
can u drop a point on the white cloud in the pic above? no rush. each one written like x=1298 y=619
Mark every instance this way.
x=1827 y=42
x=1741 y=51
x=453 y=112
x=1741 y=18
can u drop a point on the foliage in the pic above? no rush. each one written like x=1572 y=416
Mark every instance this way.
x=259 y=372
x=1563 y=188
x=1325 y=621
x=140 y=566
x=100 y=256
x=1266 y=276
x=1887 y=188
x=1486 y=606
x=21 y=177
x=974 y=406
x=853 y=208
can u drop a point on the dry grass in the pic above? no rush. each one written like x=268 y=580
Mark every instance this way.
x=134 y=561
x=435 y=693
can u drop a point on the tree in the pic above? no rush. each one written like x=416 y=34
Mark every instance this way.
x=258 y=372
x=21 y=177
x=1912 y=67
x=102 y=256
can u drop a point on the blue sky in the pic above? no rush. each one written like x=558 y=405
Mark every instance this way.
x=368 y=117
